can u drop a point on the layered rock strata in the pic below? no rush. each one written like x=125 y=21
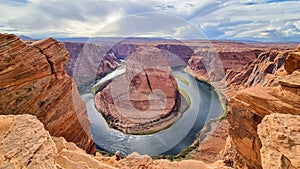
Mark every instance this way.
x=231 y=67
x=250 y=106
x=89 y=61
x=145 y=98
x=33 y=81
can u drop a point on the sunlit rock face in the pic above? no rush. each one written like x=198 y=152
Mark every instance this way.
x=260 y=118
x=33 y=81
x=26 y=144
x=145 y=98
x=279 y=135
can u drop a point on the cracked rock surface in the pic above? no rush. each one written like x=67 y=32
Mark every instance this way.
x=33 y=81
x=25 y=143
x=144 y=98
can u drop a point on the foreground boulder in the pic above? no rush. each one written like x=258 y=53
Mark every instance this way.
x=24 y=143
x=33 y=81
x=279 y=135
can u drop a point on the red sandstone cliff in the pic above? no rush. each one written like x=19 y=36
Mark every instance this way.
x=260 y=135
x=33 y=81
x=89 y=61
x=239 y=66
x=264 y=121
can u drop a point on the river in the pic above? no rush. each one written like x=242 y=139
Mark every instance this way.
x=205 y=106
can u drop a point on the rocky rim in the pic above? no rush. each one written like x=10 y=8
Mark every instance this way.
x=263 y=121
x=145 y=99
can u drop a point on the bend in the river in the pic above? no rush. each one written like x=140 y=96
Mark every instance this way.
x=205 y=105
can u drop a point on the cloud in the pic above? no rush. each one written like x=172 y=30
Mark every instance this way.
x=151 y=25
x=266 y=20
x=253 y=20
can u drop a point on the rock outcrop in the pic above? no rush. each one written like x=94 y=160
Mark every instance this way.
x=280 y=138
x=239 y=65
x=24 y=143
x=212 y=139
x=260 y=71
x=144 y=98
x=33 y=81
x=181 y=50
x=69 y=156
x=231 y=67
x=210 y=63
x=293 y=61
x=250 y=106
x=136 y=161
x=89 y=61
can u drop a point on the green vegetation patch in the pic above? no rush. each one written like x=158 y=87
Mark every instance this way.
x=95 y=88
x=182 y=79
x=185 y=95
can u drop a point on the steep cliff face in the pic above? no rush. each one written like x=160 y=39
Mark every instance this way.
x=260 y=71
x=208 y=61
x=240 y=66
x=89 y=61
x=182 y=51
x=100 y=58
x=33 y=81
x=250 y=106
x=123 y=50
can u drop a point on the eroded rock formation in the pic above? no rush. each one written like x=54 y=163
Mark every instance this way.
x=261 y=71
x=210 y=63
x=144 y=98
x=89 y=61
x=32 y=81
x=250 y=106
x=235 y=66
x=24 y=143
x=239 y=65
x=279 y=135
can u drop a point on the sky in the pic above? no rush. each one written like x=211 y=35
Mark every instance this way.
x=259 y=20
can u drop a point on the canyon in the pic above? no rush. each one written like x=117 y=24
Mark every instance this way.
x=144 y=99
x=33 y=81
x=260 y=82
x=252 y=141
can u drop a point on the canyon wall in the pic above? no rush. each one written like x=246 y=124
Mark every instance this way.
x=89 y=61
x=232 y=66
x=248 y=148
x=33 y=81
x=260 y=71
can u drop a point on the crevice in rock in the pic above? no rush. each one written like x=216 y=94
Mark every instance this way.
x=148 y=82
x=30 y=159
x=286 y=163
x=49 y=62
